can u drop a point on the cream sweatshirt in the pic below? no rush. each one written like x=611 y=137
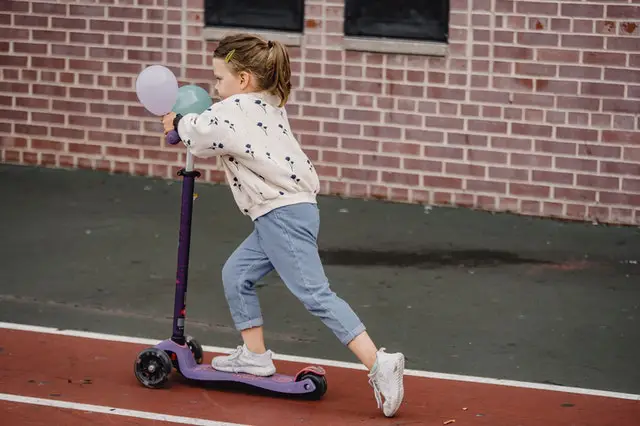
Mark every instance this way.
x=263 y=162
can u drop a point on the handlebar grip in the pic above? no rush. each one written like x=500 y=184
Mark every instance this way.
x=172 y=137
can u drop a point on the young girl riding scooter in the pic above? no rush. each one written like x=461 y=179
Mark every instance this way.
x=275 y=184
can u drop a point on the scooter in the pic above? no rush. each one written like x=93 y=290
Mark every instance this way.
x=153 y=365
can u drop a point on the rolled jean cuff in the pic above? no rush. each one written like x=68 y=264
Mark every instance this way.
x=353 y=334
x=249 y=324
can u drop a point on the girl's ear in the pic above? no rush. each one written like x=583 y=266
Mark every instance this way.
x=245 y=79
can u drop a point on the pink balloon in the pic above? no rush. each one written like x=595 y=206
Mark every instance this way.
x=157 y=89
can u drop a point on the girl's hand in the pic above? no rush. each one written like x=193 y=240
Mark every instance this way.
x=167 y=122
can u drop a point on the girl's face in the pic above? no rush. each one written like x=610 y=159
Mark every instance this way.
x=227 y=82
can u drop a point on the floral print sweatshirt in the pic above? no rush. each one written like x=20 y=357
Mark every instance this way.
x=263 y=162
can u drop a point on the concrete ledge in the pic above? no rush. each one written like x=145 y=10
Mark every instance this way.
x=286 y=38
x=388 y=45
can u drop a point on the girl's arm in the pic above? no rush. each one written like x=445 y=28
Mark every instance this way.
x=210 y=133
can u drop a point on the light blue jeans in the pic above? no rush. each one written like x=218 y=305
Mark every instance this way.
x=285 y=239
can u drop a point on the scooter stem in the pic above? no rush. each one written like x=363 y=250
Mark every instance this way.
x=184 y=244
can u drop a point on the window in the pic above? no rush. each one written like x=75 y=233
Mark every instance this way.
x=421 y=20
x=270 y=15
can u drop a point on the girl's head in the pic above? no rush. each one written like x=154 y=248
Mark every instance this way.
x=244 y=63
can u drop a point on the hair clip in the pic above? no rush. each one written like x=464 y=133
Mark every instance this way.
x=229 y=55
x=270 y=44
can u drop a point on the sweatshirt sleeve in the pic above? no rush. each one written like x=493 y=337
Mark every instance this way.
x=210 y=133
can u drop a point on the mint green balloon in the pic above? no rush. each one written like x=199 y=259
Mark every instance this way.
x=192 y=99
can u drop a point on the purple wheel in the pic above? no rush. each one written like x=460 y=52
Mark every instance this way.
x=172 y=137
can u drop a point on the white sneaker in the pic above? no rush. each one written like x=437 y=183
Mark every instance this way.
x=386 y=377
x=242 y=360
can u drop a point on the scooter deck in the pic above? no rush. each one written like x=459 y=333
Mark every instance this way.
x=277 y=383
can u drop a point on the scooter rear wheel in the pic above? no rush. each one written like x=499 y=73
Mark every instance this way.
x=196 y=349
x=152 y=367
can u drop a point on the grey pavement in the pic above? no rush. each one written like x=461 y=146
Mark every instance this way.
x=458 y=291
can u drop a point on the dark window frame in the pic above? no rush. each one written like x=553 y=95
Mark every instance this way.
x=373 y=19
x=285 y=16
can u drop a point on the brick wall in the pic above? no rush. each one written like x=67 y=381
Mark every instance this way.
x=536 y=108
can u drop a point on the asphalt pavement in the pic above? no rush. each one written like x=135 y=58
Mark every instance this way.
x=458 y=291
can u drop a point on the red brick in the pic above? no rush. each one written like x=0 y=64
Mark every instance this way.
x=441 y=182
x=359 y=174
x=600 y=151
x=557 y=55
x=598 y=181
x=465 y=169
x=443 y=152
x=444 y=122
x=445 y=93
x=381 y=161
x=629 y=184
x=509 y=52
x=620 y=168
x=615 y=136
x=602 y=89
x=580 y=103
x=526 y=190
x=552 y=177
x=556 y=86
x=425 y=165
x=531 y=160
x=575 y=10
x=603 y=58
x=574 y=194
x=555 y=147
x=577 y=134
x=536 y=8
x=319 y=140
x=400 y=178
x=508 y=173
x=626 y=44
x=623 y=12
x=501 y=97
x=385 y=132
x=424 y=135
x=467 y=139
x=47 y=117
x=401 y=148
x=403 y=119
x=619 y=198
x=531 y=129
x=361 y=115
x=359 y=144
x=486 y=186
x=487 y=126
x=578 y=164
x=620 y=105
x=537 y=39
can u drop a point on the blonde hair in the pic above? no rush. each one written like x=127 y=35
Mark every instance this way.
x=268 y=61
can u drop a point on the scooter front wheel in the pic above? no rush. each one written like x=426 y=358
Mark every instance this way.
x=152 y=367
x=320 y=383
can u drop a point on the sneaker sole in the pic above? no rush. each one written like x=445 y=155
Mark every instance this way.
x=254 y=371
x=401 y=391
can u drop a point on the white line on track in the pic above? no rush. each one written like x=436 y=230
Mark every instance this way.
x=331 y=363
x=111 y=410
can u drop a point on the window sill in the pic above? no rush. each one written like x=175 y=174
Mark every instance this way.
x=398 y=46
x=286 y=38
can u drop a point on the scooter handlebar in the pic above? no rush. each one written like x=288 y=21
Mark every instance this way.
x=172 y=137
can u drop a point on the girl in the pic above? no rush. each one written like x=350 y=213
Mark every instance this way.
x=274 y=183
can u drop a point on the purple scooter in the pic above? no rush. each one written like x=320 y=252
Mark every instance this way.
x=153 y=365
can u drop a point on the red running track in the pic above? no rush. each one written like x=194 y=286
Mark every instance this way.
x=100 y=372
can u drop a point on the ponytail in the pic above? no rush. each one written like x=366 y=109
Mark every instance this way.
x=267 y=60
x=278 y=62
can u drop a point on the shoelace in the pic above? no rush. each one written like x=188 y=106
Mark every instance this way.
x=376 y=391
x=236 y=354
